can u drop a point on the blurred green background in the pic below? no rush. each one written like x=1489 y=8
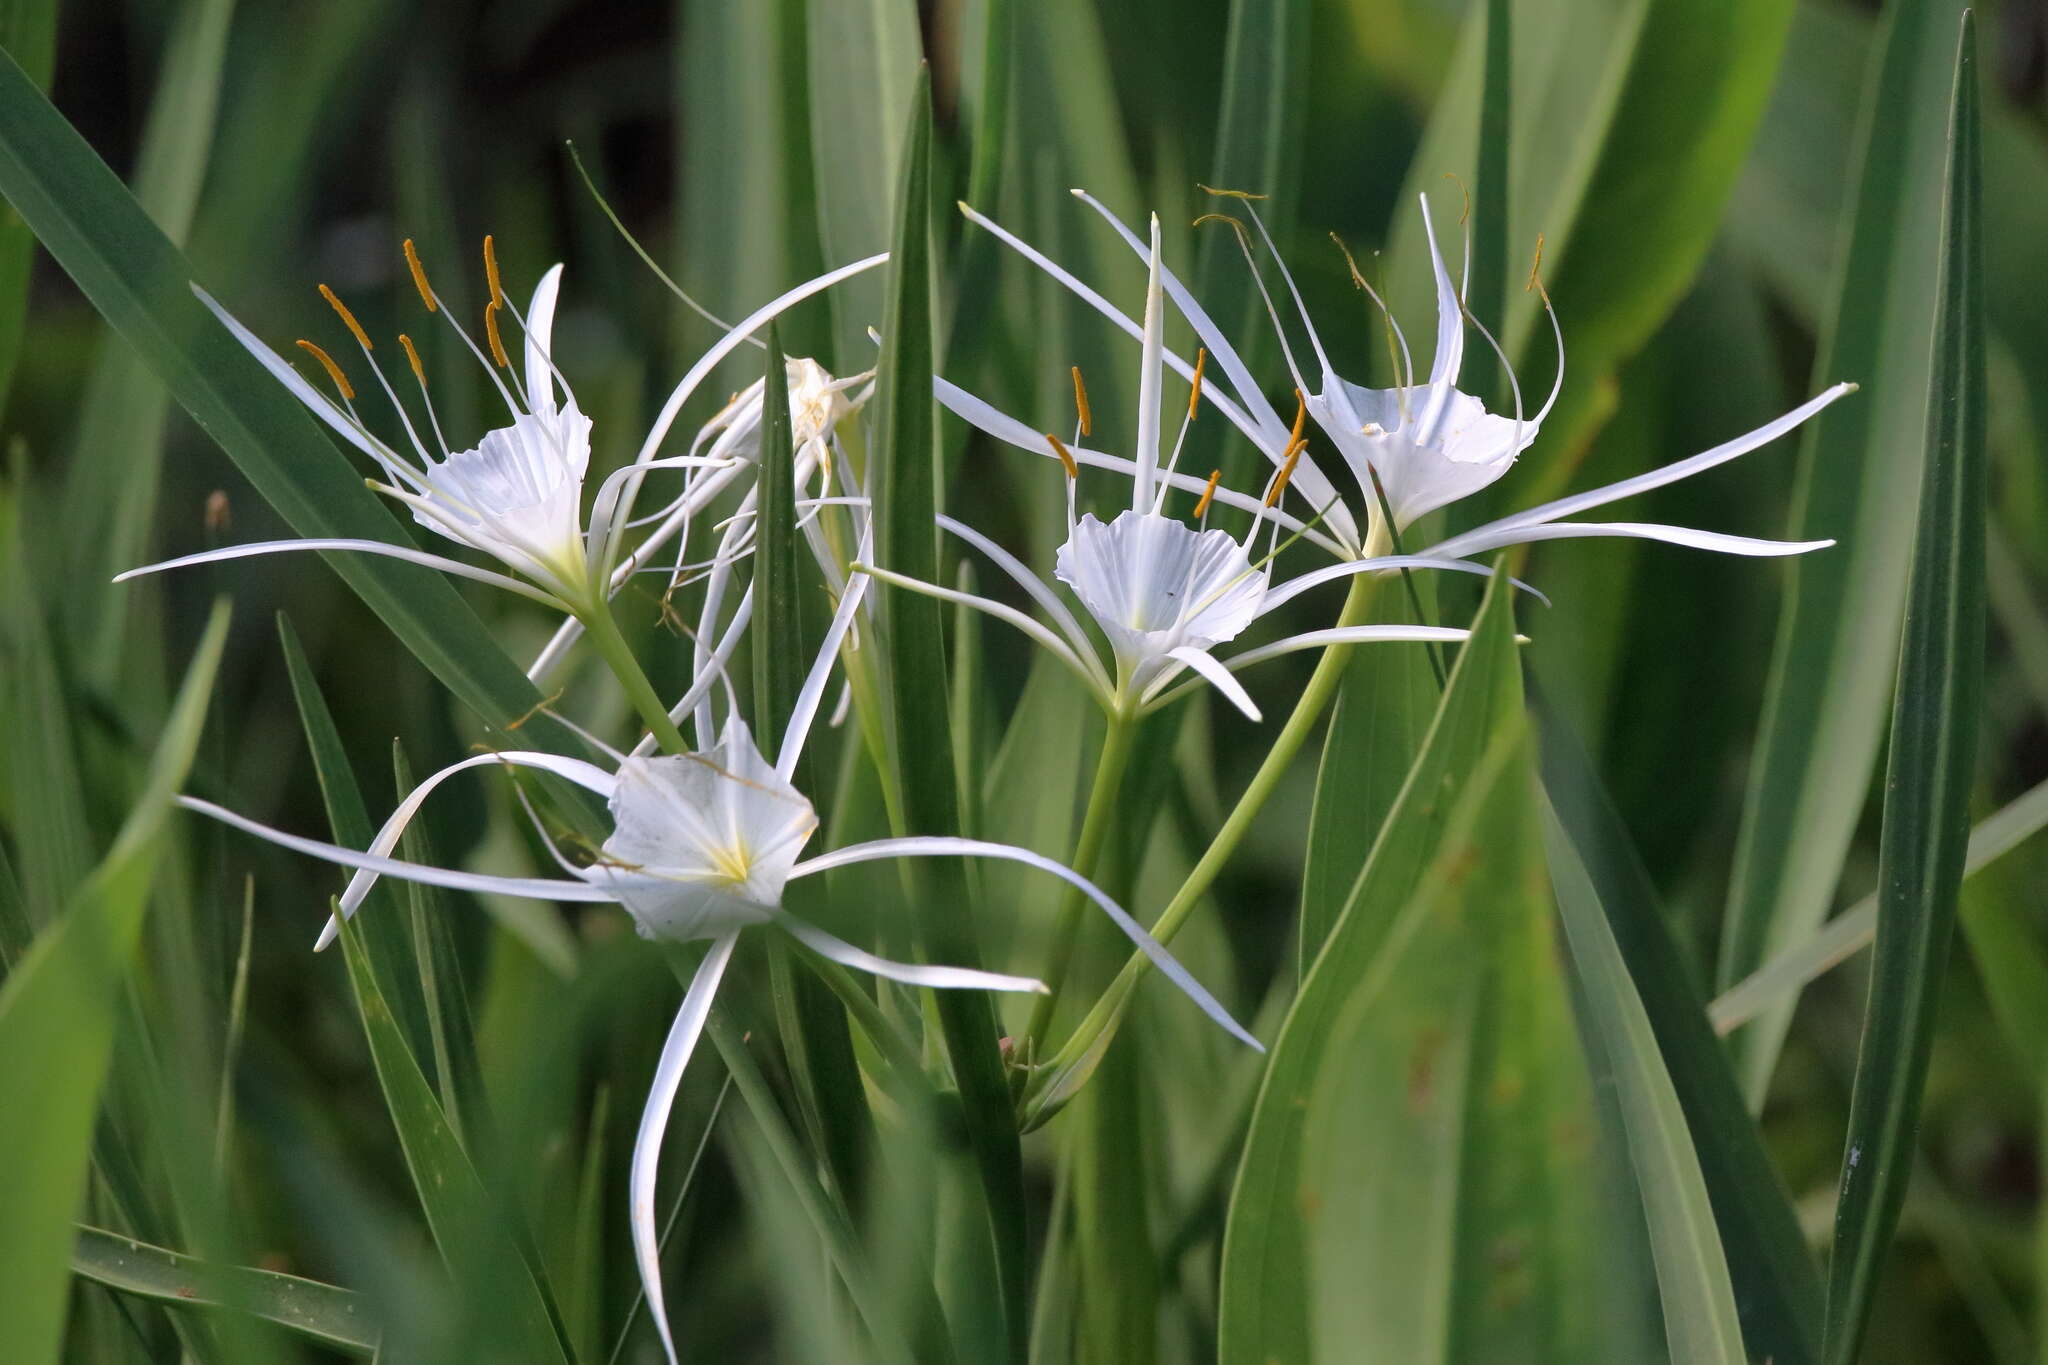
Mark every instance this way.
x=749 y=145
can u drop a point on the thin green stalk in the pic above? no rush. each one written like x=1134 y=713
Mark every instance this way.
x=618 y=656
x=1095 y=823
x=1100 y=1024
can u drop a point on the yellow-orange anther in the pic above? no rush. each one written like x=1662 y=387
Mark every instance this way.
x=1208 y=493
x=362 y=337
x=419 y=371
x=491 y=272
x=1227 y=194
x=419 y=275
x=491 y=331
x=1300 y=417
x=1195 y=390
x=1536 y=267
x=1059 y=448
x=1294 y=449
x=1081 y=404
x=348 y=390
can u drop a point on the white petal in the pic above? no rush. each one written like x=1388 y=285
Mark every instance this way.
x=1344 y=635
x=1001 y=611
x=808 y=697
x=1486 y=538
x=1643 y=483
x=661 y=1098
x=936 y=846
x=1219 y=677
x=322 y=407
x=1295 y=587
x=910 y=974
x=540 y=332
x=1149 y=385
x=1450 y=329
x=368 y=547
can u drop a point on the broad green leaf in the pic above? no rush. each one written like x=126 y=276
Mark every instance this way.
x=1859 y=469
x=57 y=1015
x=111 y=478
x=139 y=282
x=905 y=480
x=1595 y=869
x=1933 y=753
x=1365 y=985
x=322 y=1313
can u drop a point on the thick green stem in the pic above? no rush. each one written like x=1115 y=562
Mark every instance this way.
x=1058 y=1078
x=618 y=656
x=1095 y=823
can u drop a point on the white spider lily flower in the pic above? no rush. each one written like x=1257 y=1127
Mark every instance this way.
x=517 y=494
x=1427 y=444
x=702 y=846
x=1164 y=594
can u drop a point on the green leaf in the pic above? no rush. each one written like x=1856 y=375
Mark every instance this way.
x=1390 y=1145
x=88 y=220
x=1859 y=468
x=475 y=1235
x=57 y=1014
x=1595 y=869
x=322 y=1313
x=111 y=479
x=905 y=478
x=1933 y=753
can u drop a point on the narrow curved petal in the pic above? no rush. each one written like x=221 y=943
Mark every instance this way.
x=983 y=416
x=1484 y=539
x=1345 y=635
x=586 y=775
x=1149 y=381
x=540 y=332
x=909 y=973
x=321 y=406
x=1219 y=677
x=737 y=337
x=532 y=888
x=1450 y=330
x=1643 y=483
x=1034 y=587
x=368 y=547
x=1001 y=611
x=936 y=846
x=1295 y=587
x=798 y=730
x=661 y=1099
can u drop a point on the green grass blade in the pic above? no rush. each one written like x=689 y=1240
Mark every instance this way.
x=1594 y=866
x=57 y=1015
x=443 y=994
x=1933 y=753
x=28 y=30
x=50 y=827
x=88 y=220
x=905 y=479
x=1776 y=1282
x=322 y=1313
x=1700 y=1322
x=112 y=476
x=1859 y=468
x=1850 y=932
x=1266 y=1299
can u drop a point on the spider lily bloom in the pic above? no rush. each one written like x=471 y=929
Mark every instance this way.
x=1428 y=444
x=1163 y=593
x=517 y=495
x=702 y=846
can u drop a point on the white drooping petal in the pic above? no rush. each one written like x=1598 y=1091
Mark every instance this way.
x=1381 y=431
x=702 y=843
x=1155 y=585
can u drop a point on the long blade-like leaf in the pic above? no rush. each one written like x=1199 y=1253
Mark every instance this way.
x=1933 y=753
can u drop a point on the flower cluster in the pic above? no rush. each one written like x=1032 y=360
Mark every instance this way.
x=707 y=826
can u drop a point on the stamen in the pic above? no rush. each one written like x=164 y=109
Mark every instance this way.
x=491 y=272
x=1465 y=213
x=1294 y=450
x=491 y=331
x=419 y=276
x=1195 y=392
x=419 y=371
x=1227 y=194
x=362 y=337
x=1536 y=270
x=1059 y=448
x=1403 y=364
x=1208 y=494
x=348 y=390
x=1081 y=404
x=1300 y=418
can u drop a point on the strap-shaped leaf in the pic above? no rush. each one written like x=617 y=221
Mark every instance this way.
x=1933 y=754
